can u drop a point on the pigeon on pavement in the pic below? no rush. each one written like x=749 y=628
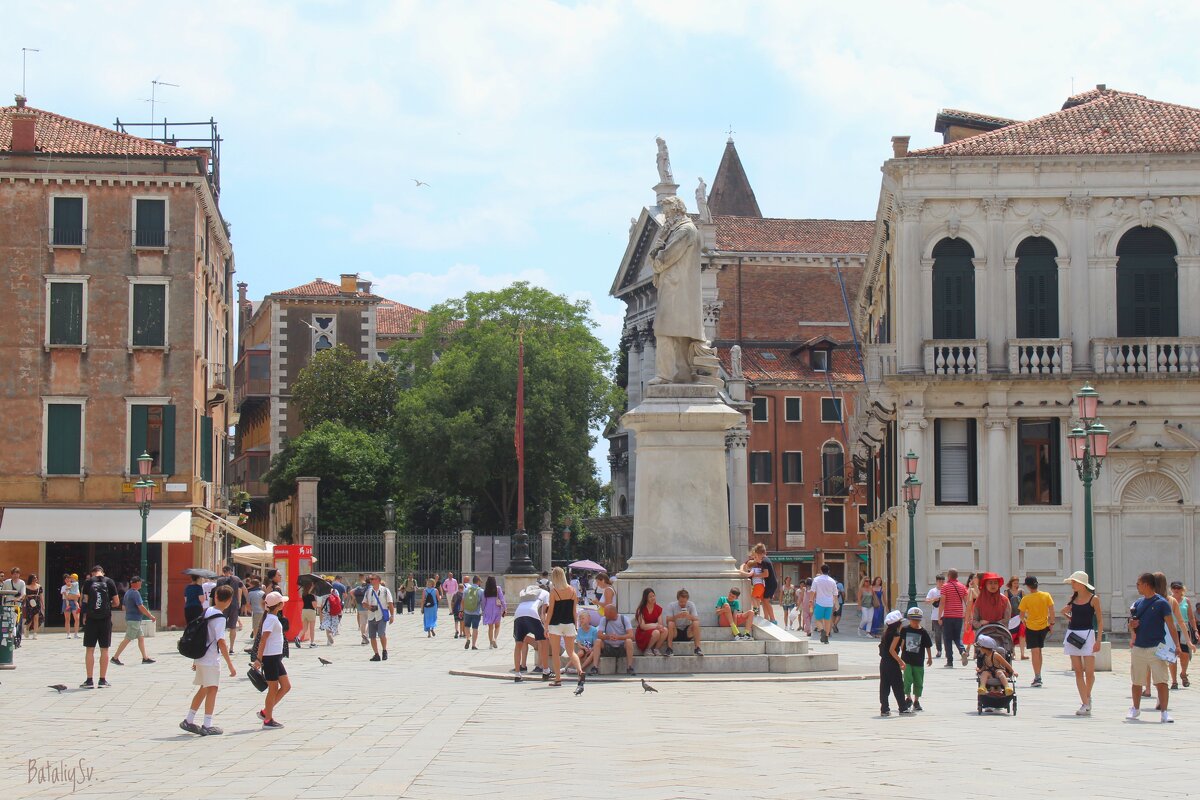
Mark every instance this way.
x=579 y=690
x=324 y=663
x=58 y=686
x=647 y=687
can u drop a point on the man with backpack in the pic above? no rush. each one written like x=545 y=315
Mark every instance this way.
x=203 y=641
x=472 y=612
x=99 y=599
x=331 y=614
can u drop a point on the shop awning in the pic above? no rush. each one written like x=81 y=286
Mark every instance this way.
x=103 y=525
x=864 y=557
x=253 y=556
x=786 y=558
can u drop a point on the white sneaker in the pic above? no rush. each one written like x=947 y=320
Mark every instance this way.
x=1165 y=717
x=1133 y=713
x=1084 y=711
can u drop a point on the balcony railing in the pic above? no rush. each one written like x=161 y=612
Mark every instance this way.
x=149 y=237
x=68 y=237
x=1127 y=355
x=218 y=376
x=1039 y=356
x=955 y=357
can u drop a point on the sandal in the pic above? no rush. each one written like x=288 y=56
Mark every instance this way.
x=556 y=682
x=1186 y=682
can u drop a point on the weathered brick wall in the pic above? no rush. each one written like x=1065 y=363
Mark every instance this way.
x=775 y=298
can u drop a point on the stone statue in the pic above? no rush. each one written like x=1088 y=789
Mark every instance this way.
x=735 y=361
x=1187 y=223
x=702 y=201
x=1109 y=222
x=678 y=320
x=664 y=162
x=1146 y=213
x=546 y=521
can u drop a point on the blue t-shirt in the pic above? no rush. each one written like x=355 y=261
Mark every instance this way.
x=1151 y=614
x=132 y=600
x=587 y=637
x=193 y=595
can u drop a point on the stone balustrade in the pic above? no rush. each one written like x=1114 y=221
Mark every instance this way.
x=1133 y=355
x=956 y=357
x=1039 y=356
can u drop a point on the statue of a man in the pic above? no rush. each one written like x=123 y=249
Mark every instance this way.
x=678 y=320
x=702 y=201
x=664 y=162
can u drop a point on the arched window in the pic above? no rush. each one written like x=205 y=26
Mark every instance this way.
x=833 y=470
x=1037 y=289
x=1147 y=284
x=953 y=290
x=622 y=506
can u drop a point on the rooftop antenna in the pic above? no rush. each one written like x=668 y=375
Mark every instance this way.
x=1072 y=85
x=25 y=50
x=154 y=84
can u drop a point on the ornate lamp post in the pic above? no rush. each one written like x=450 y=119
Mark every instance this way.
x=143 y=495
x=911 y=493
x=389 y=513
x=1088 y=442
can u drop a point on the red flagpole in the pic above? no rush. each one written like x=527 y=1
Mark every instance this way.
x=519 y=433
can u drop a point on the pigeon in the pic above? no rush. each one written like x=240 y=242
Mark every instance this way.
x=1057 y=403
x=1133 y=424
x=324 y=663
x=1019 y=403
x=58 y=686
x=985 y=405
x=647 y=687
x=909 y=403
x=1166 y=422
x=1116 y=403
x=958 y=402
x=1044 y=402
x=1180 y=426
x=579 y=690
x=1141 y=403
x=1158 y=445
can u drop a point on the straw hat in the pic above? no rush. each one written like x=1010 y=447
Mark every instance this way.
x=1079 y=576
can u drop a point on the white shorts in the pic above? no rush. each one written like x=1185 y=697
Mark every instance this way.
x=1086 y=650
x=563 y=630
x=207 y=675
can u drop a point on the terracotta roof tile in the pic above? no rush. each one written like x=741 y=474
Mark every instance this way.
x=972 y=116
x=1100 y=121
x=772 y=235
x=321 y=288
x=397 y=319
x=63 y=135
x=771 y=364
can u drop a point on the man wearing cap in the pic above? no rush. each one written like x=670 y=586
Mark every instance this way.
x=1037 y=612
x=135 y=612
x=376 y=600
x=917 y=653
x=99 y=598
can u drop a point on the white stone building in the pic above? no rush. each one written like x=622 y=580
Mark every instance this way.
x=1010 y=265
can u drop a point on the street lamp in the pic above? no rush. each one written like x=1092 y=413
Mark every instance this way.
x=1088 y=444
x=143 y=495
x=389 y=513
x=466 y=508
x=911 y=493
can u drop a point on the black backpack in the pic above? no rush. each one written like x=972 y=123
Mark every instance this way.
x=194 y=642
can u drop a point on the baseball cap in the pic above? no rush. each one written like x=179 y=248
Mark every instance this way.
x=274 y=598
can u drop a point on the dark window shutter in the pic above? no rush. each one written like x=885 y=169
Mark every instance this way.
x=68 y=221
x=151 y=223
x=1037 y=289
x=953 y=290
x=795 y=519
x=168 y=440
x=937 y=462
x=762 y=518
x=66 y=313
x=138 y=417
x=1055 y=463
x=206 y=449
x=149 y=315
x=1147 y=284
x=63 y=426
x=972 y=462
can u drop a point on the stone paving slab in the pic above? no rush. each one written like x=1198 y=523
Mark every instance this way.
x=408 y=728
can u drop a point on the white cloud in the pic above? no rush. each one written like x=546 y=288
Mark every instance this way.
x=424 y=289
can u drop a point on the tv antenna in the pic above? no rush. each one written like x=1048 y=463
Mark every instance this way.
x=154 y=84
x=25 y=50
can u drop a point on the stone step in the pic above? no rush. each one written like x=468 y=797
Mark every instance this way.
x=806 y=662
x=713 y=662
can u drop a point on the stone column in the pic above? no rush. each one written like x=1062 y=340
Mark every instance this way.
x=306 y=509
x=910 y=313
x=736 y=440
x=1076 y=322
x=1189 y=286
x=389 y=559
x=991 y=295
x=547 y=535
x=999 y=539
x=467 y=556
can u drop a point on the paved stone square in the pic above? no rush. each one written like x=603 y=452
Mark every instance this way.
x=407 y=728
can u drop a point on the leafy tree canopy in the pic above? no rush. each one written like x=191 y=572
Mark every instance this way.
x=339 y=386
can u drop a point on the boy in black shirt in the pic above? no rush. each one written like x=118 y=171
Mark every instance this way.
x=890 y=665
x=99 y=594
x=916 y=642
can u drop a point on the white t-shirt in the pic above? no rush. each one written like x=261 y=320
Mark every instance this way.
x=825 y=589
x=272 y=632
x=531 y=608
x=381 y=598
x=207 y=587
x=216 y=629
x=934 y=595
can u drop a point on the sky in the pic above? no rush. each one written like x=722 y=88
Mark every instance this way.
x=533 y=122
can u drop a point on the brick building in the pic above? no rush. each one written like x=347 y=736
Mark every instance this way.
x=775 y=310
x=117 y=295
x=278 y=337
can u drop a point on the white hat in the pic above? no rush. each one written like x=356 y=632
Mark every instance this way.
x=1079 y=576
x=892 y=617
x=915 y=613
x=274 y=598
x=986 y=641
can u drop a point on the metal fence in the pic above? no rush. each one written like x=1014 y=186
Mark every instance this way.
x=428 y=553
x=353 y=552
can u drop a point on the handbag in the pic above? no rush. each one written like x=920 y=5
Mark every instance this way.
x=385 y=615
x=1075 y=640
x=257 y=679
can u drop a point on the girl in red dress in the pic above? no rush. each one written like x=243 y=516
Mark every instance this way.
x=650 y=633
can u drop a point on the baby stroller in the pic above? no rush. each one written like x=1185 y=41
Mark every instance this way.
x=996 y=698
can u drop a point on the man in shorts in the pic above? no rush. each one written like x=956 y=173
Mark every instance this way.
x=99 y=598
x=614 y=638
x=208 y=667
x=1037 y=612
x=239 y=601
x=358 y=592
x=135 y=612
x=377 y=598
x=472 y=612
x=682 y=622
x=824 y=598
x=1151 y=620
x=529 y=620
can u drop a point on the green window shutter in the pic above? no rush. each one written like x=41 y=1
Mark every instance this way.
x=206 y=449
x=151 y=223
x=168 y=440
x=149 y=315
x=137 y=435
x=68 y=221
x=63 y=426
x=66 y=313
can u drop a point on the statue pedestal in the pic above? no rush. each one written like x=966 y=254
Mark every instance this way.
x=681 y=518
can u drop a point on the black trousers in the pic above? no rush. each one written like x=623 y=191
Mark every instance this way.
x=411 y=601
x=952 y=637
x=891 y=680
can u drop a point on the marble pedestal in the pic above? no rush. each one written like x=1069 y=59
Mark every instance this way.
x=681 y=517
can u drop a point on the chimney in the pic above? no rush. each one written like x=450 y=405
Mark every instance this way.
x=204 y=158
x=1101 y=87
x=349 y=283
x=364 y=287
x=900 y=146
x=24 y=126
x=242 y=287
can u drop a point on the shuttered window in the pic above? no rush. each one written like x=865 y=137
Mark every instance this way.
x=64 y=424
x=149 y=315
x=759 y=412
x=793 y=468
x=760 y=467
x=833 y=518
x=953 y=290
x=793 y=410
x=1147 y=284
x=206 y=449
x=954 y=462
x=152 y=430
x=795 y=518
x=762 y=518
x=1037 y=289
x=67 y=226
x=1038 y=469
x=150 y=223
x=66 y=312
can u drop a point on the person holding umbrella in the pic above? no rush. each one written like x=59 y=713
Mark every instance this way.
x=193 y=593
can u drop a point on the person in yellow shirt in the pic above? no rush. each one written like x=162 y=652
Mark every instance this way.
x=1037 y=612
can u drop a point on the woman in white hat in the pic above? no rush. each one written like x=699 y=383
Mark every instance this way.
x=1082 y=641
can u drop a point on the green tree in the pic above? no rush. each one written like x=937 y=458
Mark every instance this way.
x=339 y=386
x=355 y=471
x=453 y=429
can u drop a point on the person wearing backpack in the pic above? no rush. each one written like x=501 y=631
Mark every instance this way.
x=204 y=640
x=331 y=615
x=99 y=599
x=472 y=613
